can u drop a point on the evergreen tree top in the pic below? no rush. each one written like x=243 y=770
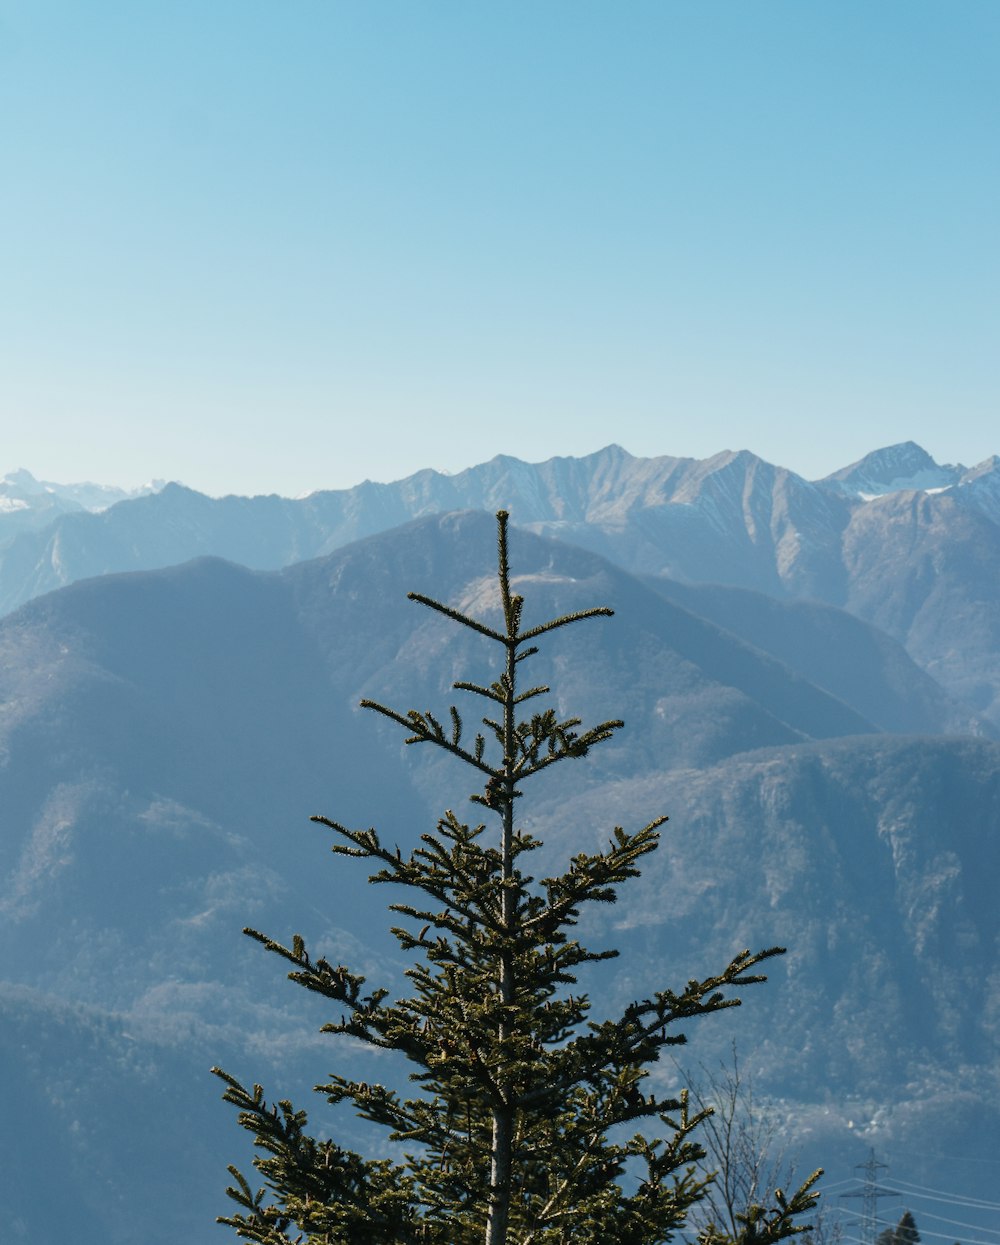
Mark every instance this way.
x=530 y=1121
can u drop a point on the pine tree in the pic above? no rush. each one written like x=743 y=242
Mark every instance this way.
x=906 y=1230
x=518 y=1130
x=904 y=1233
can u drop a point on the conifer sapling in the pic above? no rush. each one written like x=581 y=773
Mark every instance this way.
x=523 y=1124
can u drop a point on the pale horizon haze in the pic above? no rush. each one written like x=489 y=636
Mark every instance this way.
x=276 y=247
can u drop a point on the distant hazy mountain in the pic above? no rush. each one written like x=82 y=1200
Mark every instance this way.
x=896 y=539
x=27 y=504
x=165 y=735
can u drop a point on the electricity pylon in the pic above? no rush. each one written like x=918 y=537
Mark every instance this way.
x=870 y=1192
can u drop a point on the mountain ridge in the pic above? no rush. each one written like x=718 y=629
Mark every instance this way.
x=732 y=519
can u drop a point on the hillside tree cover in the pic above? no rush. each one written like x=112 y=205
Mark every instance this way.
x=530 y=1123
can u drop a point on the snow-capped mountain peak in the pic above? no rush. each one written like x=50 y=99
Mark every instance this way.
x=892 y=469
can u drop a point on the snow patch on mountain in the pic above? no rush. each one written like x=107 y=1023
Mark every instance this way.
x=28 y=504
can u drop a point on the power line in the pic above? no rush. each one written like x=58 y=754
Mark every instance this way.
x=950 y=1236
x=956 y=1199
x=978 y=1227
x=964 y=1159
x=845 y=1239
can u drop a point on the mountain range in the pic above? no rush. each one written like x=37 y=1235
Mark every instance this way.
x=895 y=539
x=165 y=734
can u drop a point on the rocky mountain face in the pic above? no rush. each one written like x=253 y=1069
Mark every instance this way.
x=165 y=735
x=895 y=539
x=934 y=584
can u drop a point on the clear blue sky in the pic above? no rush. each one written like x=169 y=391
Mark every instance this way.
x=277 y=245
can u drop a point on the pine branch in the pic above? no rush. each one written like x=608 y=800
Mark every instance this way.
x=457 y=616
x=591 y=877
x=511 y=611
x=599 y=611
x=409 y=872
x=568 y=745
x=426 y=729
x=760 y=1225
x=494 y=692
